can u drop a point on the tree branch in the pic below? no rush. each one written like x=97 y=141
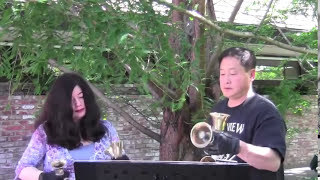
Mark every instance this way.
x=235 y=11
x=236 y=33
x=211 y=11
x=211 y=65
x=156 y=88
x=153 y=124
x=109 y=103
x=299 y=61
x=262 y=20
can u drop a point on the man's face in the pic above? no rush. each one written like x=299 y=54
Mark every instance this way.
x=234 y=80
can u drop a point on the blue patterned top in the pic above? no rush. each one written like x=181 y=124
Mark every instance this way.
x=83 y=152
x=39 y=151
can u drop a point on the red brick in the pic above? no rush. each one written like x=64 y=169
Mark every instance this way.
x=127 y=128
x=29 y=101
x=28 y=127
x=19 y=112
x=24 y=133
x=7 y=113
x=6 y=133
x=24 y=122
x=15 y=138
x=3 y=97
x=15 y=117
x=16 y=102
x=13 y=127
x=26 y=138
x=6 y=123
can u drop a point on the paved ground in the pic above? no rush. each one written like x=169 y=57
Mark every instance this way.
x=302 y=173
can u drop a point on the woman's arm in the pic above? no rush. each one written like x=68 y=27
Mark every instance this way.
x=32 y=156
x=259 y=157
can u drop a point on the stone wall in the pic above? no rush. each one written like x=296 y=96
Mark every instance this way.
x=18 y=112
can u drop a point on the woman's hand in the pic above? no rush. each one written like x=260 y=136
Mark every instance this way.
x=52 y=176
x=123 y=157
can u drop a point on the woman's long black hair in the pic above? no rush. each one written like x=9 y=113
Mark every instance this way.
x=57 y=114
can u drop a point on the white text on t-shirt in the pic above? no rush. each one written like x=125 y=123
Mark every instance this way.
x=235 y=127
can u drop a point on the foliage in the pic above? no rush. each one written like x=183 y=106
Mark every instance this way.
x=109 y=40
x=269 y=73
x=109 y=43
x=287 y=98
x=291 y=132
x=307 y=39
x=302 y=6
x=265 y=30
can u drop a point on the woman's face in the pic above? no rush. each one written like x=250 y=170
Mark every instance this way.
x=77 y=103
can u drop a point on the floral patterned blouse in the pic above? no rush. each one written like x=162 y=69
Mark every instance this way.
x=40 y=152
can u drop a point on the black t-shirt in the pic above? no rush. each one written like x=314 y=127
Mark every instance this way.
x=256 y=121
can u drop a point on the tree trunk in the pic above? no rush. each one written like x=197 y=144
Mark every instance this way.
x=318 y=64
x=175 y=127
x=175 y=142
x=171 y=127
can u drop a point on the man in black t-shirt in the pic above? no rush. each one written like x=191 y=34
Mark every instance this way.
x=255 y=131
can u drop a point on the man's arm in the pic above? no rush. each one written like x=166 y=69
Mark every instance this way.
x=259 y=157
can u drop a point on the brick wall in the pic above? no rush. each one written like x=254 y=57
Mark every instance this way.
x=18 y=113
x=304 y=143
x=137 y=145
x=16 y=123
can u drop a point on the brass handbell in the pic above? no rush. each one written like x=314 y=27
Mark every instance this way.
x=58 y=166
x=115 y=149
x=219 y=120
x=202 y=133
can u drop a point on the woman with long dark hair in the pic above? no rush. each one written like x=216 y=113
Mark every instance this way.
x=69 y=128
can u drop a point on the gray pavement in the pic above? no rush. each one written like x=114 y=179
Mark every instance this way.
x=301 y=173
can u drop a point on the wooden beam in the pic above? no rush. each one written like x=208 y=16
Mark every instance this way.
x=272 y=50
x=276 y=63
x=267 y=82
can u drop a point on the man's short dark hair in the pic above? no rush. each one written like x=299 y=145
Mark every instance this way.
x=245 y=56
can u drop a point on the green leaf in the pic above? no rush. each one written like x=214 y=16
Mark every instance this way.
x=123 y=38
x=196 y=7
